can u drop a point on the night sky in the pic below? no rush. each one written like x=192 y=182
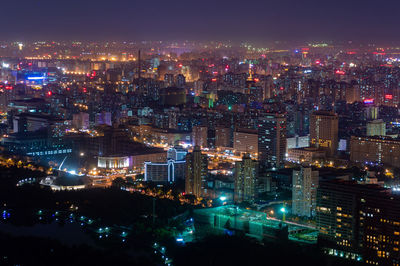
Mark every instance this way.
x=308 y=20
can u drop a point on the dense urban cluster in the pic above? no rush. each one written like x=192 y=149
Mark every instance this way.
x=279 y=143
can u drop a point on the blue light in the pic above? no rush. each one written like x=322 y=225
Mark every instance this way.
x=35 y=78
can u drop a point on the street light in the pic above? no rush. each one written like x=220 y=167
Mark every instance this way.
x=283 y=210
x=222 y=199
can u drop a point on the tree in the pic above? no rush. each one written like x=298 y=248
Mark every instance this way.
x=129 y=180
x=118 y=182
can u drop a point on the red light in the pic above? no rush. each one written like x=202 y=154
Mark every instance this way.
x=29 y=64
x=281 y=88
x=318 y=62
x=68 y=89
x=49 y=93
x=84 y=90
x=214 y=80
x=9 y=87
x=180 y=65
x=256 y=80
x=388 y=96
x=340 y=72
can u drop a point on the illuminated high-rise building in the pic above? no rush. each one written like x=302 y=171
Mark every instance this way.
x=245 y=140
x=199 y=136
x=246 y=173
x=375 y=150
x=359 y=222
x=272 y=140
x=222 y=135
x=376 y=128
x=196 y=172
x=304 y=191
x=324 y=131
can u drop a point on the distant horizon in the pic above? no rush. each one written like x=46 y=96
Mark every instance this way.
x=204 y=41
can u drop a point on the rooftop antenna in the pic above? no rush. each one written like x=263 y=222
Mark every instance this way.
x=139 y=66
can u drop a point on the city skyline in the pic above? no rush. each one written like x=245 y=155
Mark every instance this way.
x=155 y=133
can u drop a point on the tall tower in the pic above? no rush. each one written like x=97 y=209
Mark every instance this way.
x=196 y=172
x=304 y=191
x=324 y=127
x=272 y=140
x=246 y=174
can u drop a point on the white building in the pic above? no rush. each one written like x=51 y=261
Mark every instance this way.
x=304 y=191
x=169 y=171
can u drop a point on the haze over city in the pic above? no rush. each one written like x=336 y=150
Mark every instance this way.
x=254 y=20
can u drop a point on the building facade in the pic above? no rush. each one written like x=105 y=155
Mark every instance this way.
x=196 y=172
x=245 y=140
x=359 y=222
x=304 y=191
x=272 y=140
x=375 y=150
x=324 y=127
x=376 y=128
x=199 y=136
x=246 y=173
